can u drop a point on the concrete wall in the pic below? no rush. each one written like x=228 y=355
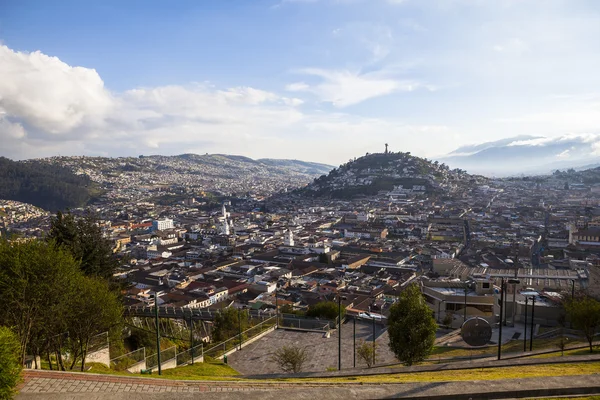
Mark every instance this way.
x=172 y=363
x=137 y=368
x=101 y=356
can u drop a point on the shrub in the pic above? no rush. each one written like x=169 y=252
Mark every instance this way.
x=10 y=367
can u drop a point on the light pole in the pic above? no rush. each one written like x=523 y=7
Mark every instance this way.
x=525 y=330
x=240 y=326
x=373 y=318
x=572 y=289
x=157 y=332
x=354 y=340
x=532 y=323
x=339 y=332
x=502 y=298
x=276 y=307
x=465 y=310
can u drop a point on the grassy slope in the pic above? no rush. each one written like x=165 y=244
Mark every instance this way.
x=475 y=374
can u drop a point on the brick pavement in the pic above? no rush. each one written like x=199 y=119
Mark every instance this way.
x=74 y=386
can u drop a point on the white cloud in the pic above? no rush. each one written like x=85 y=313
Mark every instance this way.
x=69 y=112
x=50 y=94
x=344 y=88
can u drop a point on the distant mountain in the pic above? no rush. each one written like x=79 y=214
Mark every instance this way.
x=173 y=178
x=381 y=172
x=48 y=186
x=526 y=155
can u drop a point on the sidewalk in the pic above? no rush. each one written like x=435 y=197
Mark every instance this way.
x=62 y=386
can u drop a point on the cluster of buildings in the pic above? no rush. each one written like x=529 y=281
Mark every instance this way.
x=456 y=236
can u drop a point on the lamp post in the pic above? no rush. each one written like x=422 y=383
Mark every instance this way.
x=240 y=326
x=502 y=298
x=572 y=289
x=354 y=340
x=465 y=309
x=525 y=330
x=532 y=323
x=276 y=307
x=157 y=332
x=373 y=318
x=339 y=332
x=192 y=336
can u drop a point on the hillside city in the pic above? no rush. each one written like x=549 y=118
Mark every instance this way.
x=443 y=228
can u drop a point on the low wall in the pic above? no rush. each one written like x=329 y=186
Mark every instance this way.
x=169 y=364
x=138 y=367
x=101 y=356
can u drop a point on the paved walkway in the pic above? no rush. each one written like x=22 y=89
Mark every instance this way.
x=65 y=385
x=322 y=351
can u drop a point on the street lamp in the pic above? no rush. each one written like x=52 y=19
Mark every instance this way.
x=373 y=318
x=339 y=332
x=525 y=330
x=532 y=323
x=502 y=290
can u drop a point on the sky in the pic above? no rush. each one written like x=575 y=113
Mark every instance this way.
x=317 y=80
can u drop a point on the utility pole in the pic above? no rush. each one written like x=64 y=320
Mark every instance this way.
x=157 y=332
x=374 y=348
x=339 y=332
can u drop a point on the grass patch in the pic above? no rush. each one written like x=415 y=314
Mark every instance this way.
x=517 y=372
x=514 y=346
x=200 y=370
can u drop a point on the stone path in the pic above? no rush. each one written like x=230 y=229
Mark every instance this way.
x=66 y=385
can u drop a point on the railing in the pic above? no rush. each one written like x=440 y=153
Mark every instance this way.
x=128 y=360
x=306 y=323
x=190 y=356
x=165 y=355
x=219 y=349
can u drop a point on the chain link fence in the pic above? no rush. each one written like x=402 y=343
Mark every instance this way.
x=128 y=360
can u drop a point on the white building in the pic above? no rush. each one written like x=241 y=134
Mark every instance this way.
x=162 y=224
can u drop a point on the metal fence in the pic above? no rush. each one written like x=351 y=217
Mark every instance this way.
x=165 y=355
x=128 y=360
x=98 y=342
x=217 y=350
x=190 y=356
x=307 y=323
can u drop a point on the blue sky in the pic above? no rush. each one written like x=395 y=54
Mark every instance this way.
x=322 y=80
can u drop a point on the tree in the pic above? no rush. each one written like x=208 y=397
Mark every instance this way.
x=325 y=309
x=585 y=316
x=227 y=323
x=83 y=238
x=367 y=352
x=95 y=309
x=290 y=358
x=411 y=327
x=10 y=365
x=35 y=282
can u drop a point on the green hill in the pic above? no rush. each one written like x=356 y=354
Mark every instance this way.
x=44 y=185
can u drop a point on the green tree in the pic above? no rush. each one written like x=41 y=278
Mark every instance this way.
x=93 y=310
x=411 y=327
x=10 y=365
x=367 y=351
x=35 y=282
x=585 y=316
x=227 y=323
x=290 y=358
x=84 y=239
x=325 y=309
